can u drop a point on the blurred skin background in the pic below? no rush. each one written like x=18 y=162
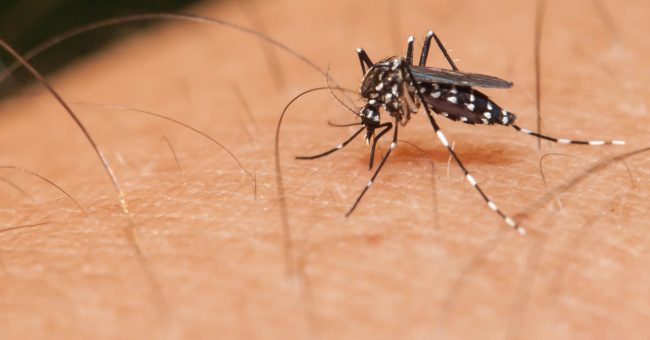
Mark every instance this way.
x=421 y=258
x=25 y=23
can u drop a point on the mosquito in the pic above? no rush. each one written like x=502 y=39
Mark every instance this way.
x=398 y=87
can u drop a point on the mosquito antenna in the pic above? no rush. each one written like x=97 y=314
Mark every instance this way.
x=327 y=79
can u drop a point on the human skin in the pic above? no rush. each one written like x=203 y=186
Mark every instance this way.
x=201 y=254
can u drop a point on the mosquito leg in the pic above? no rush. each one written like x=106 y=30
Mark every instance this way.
x=509 y=221
x=387 y=126
x=364 y=60
x=425 y=50
x=568 y=141
x=338 y=147
x=393 y=144
x=409 y=50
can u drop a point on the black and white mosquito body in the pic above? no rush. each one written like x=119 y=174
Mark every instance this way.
x=397 y=86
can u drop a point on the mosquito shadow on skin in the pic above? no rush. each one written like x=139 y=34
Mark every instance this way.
x=485 y=154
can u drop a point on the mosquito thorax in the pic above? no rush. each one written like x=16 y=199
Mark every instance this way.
x=383 y=86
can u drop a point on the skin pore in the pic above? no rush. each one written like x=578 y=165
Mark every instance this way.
x=203 y=251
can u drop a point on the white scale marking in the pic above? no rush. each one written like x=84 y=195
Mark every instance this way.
x=618 y=142
x=472 y=98
x=442 y=138
x=563 y=141
x=339 y=146
x=489 y=106
x=435 y=94
x=393 y=145
x=596 y=142
x=369 y=183
x=487 y=115
x=492 y=206
x=510 y=222
x=452 y=100
x=470 y=106
x=471 y=180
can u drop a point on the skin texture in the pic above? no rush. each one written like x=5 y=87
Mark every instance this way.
x=202 y=254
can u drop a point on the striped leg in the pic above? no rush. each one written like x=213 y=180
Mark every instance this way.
x=338 y=147
x=364 y=60
x=568 y=141
x=393 y=144
x=509 y=221
x=409 y=50
x=425 y=50
x=387 y=126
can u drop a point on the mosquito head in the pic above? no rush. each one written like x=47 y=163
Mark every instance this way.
x=369 y=114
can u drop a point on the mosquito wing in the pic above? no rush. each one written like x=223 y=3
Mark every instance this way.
x=439 y=75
